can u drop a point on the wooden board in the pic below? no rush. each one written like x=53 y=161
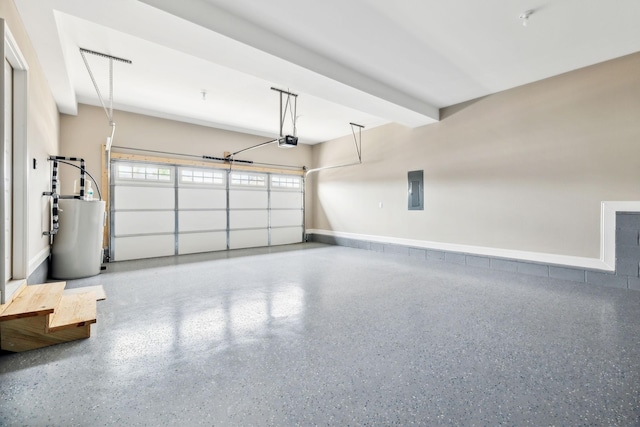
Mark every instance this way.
x=28 y=334
x=4 y=306
x=97 y=289
x=34 y=300
x=73 y=310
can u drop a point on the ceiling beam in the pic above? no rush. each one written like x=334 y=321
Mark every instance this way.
x=220 y=21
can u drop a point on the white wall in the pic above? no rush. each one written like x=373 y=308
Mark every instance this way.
x=525 y=169
x=42 y=138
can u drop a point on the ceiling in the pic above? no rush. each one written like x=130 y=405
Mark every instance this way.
x=369 y=62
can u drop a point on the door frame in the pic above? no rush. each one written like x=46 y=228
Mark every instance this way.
x=20 y=248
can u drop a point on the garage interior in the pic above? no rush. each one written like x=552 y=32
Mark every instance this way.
x=339 y=213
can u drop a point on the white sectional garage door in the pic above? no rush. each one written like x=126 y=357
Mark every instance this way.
x=160 y=210
x=286 y=203
x=142 y=211
x=201 y=210
x=248 y=210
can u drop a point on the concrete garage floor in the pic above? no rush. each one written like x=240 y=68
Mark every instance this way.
x=319 y=335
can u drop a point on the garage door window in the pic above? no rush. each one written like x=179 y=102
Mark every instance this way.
x=198 y=176
x=248 y=180
x=143 y=173
x=282 y=182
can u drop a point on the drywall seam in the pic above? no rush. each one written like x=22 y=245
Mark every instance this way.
x=607 y=260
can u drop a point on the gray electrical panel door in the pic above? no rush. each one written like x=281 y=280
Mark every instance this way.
x=416 y=190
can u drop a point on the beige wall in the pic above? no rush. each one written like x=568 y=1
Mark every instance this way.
x=84 y=134
x=525 y=169
x=42 y=137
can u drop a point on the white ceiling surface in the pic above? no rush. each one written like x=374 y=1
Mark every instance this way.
x=364 y=61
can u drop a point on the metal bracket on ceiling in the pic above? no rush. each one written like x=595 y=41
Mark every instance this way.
x=107 y=109
x=290 y=105
x=357 y=139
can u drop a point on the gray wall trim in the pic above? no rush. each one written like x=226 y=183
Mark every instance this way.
x=40 y=274
x=625 y=277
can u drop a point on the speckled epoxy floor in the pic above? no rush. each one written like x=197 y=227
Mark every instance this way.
x=319 y=335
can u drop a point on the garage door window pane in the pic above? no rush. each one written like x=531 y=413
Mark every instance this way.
x=289 y=182
x=125 y=172
x=200 y=176
x=248 y=180
x=143 y=173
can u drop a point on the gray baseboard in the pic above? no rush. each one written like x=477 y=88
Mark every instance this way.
x=563 y=272
x=40 y=274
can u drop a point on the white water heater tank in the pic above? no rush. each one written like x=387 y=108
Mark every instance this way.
x=77 y=247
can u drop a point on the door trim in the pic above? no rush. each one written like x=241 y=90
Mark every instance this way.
x=14 y=56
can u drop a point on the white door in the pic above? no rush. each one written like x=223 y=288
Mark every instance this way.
x=8 y=169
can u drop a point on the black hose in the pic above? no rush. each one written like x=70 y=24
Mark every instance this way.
x=87 y=172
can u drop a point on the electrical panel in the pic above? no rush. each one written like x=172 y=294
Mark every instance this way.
x=416 y=190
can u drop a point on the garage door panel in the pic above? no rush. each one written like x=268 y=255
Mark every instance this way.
x=202 y=242
x=143 y=197
x=248 y=219
x=144 y=222
x=286 y=200
x=248 y=238
x=137 y=247
x=202 y=220
x=202 y=198
x=285 y=236
x=156 y=207
x=286 y=217
x=239 y=199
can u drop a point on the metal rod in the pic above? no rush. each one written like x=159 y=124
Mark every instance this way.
x=111 y=90
x=295 y=116
x=221 y=159
x=104 y=55
x=357 y=139
x=280 y=119
x=332 y=167
x=253 y=147
x=284 y=91
x=95 y=85
x=293 y=108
